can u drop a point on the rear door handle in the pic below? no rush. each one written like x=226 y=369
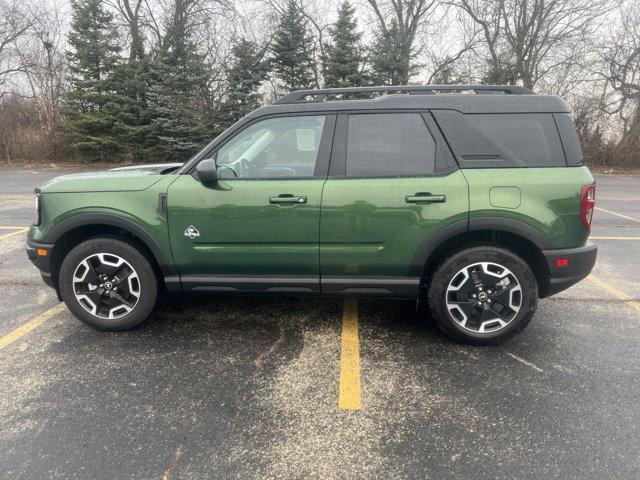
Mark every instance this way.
x=287 y=199
x=422 y=198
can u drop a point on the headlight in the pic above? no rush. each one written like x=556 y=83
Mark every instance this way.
x=36 y=217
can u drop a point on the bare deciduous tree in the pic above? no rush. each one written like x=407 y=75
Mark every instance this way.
x=42 y=56
x=131 y=13
x=15 y=21
x=525 y=39
x=621 y=62
x=404 y=18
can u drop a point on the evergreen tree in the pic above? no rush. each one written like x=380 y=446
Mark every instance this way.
x=448 y=73
x=245 y=75
x=130 y=108
x=88 y=104
x=131 y=84
x=391 y=63
x=292 y=49
x=501 y=73
x=344 y=60
x=178 y=80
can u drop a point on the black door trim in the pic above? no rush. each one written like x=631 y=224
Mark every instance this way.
x=292 y=284
x=397 y=287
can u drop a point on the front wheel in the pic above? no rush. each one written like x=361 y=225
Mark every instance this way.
x=482 y=295
x=108 y=284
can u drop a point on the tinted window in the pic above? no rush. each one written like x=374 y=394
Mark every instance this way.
x=570 y=140
x=526 y=139
x=273 y=148
x=394 y=144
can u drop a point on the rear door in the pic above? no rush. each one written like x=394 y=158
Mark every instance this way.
x=258 y=228
x=392 y=183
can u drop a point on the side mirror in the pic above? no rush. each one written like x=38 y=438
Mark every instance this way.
x=207 y=171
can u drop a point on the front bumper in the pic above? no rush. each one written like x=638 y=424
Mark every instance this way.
x=580 y=261
x=43 y=262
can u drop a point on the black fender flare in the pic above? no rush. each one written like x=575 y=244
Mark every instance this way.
x=503 y=224
x=88 y=219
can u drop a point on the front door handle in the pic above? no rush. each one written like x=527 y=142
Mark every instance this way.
x=287 y=199
x=422 y=198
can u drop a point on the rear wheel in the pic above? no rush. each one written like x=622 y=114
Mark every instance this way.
x=108 y=284
x=483 y=295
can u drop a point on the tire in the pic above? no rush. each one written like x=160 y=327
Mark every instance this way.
x=487 y=318
x=121 y=300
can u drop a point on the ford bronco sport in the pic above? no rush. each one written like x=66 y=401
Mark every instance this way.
x=474 y=199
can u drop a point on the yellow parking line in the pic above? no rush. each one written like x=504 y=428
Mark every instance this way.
x=13 y=234
x=21 y=331
x=6 y=227
x=614 y=238
x=525 y=362
x=273 y=347
x=614 y=291
x=349 y=398
x=621 y=215
x=172 y=464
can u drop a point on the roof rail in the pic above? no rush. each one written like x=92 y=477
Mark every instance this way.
x=320 y=95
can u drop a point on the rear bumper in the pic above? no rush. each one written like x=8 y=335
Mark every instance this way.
x=580 y=262
x=43 y=262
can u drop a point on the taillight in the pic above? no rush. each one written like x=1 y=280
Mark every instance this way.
x=587 y=204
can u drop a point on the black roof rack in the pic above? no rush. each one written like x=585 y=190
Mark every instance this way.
x=311 y=96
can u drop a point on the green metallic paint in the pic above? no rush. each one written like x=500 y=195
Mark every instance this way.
x=113 y=180
x=368 y=229
x=137 y=206
x=365 y=229
x=550 y=199
x=240 y=231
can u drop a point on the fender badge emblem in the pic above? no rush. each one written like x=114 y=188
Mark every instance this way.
x=191 y=232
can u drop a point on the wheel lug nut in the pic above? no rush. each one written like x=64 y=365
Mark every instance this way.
x=479 y=304
x=473 y=296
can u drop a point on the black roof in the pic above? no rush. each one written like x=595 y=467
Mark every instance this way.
x=466 y=99
x=301 y=96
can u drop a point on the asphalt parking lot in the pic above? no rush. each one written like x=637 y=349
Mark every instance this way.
x=251 y=387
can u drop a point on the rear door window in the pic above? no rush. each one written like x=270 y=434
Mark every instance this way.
x=388 y=145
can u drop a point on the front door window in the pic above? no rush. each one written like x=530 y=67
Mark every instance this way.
x=284 y=147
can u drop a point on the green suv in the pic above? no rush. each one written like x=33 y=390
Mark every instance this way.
x=471 y=198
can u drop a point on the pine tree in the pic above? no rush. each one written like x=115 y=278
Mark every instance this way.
x=178 y=80
x=130 y=108
x=449 y=73
x=344 y=60
x=391 y=63
x=292 y=49
x=245 y=75
x=88 y=105
x=501 y=73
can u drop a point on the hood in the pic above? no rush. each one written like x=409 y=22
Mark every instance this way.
x=134 y=178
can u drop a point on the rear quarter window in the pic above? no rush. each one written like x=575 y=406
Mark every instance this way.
x=503 y=139
x=569 y=137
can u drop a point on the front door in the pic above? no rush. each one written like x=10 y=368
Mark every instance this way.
x=258 y=227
